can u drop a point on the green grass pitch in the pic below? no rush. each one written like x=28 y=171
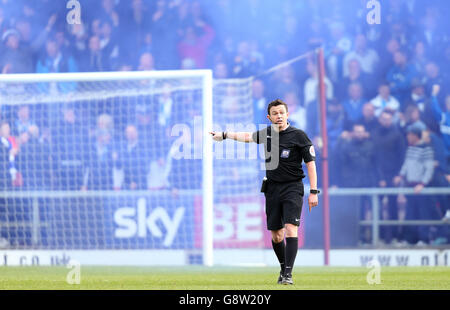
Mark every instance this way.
x=222 y=278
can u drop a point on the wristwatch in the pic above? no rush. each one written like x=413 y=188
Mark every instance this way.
x=314 y=191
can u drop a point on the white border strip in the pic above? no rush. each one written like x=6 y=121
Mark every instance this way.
x=224 y=257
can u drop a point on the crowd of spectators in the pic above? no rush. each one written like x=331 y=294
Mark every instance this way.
x=387 y=87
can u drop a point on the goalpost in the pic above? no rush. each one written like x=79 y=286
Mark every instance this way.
x=69 y=183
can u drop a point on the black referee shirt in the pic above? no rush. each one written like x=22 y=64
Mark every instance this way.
x=292 y=146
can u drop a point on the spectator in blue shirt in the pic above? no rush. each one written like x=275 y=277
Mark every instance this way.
x=400 y=76
x=354 y=104
x=56 y=61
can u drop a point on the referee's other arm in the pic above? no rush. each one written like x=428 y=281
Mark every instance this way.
x=313 y=200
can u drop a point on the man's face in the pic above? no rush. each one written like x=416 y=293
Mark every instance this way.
x=385 y=120
x=131 y=133
x=5 y=130
x=355 y=91
x=69 y=115
x=368 y=111
x=432 y=70
x=94 y=44
x=13 y=42
x=412 y=138
x=359 y=132
x=334 y=110
x=221 y=72
x=146 y=62
x=384 y=91
x=419 y=91
x=52 y=49
x=399 y=59
x=258 y=89
x=354 y=67
x=278 y=116
x=24 y=113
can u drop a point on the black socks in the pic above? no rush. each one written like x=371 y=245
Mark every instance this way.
x=286 y=253
x=291 y=253
x=280 y=249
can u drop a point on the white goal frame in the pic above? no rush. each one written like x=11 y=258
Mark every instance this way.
x=207 y=117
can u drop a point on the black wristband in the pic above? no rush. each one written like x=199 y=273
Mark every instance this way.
x=224 y=135
x=314 y=191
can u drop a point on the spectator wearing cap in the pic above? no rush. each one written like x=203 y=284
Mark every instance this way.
x=412 y=117
x=417 y=172
x=14 y=58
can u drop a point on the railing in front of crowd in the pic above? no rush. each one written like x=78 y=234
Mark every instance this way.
x=376 y=193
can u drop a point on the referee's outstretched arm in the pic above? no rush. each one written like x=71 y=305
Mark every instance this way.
x=313 y=200
x=237 y=136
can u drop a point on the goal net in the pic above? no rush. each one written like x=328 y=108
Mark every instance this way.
x=108 y=161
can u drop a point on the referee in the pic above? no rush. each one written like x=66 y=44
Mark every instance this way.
x=285 y=149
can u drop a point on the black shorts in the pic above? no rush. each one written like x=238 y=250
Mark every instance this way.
x=284 y=203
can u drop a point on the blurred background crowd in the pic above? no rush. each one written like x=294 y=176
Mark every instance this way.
x=387 y=85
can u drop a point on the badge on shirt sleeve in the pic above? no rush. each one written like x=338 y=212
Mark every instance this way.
x=285 y=153
x=312 y=151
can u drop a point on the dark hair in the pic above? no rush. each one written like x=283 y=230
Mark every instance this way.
x=415 y=131
x=275 y=103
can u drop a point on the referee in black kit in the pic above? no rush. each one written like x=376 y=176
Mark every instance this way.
x=285 y=149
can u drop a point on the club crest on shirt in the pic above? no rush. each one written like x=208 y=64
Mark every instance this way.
x=285 y=153
x=312 y=151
